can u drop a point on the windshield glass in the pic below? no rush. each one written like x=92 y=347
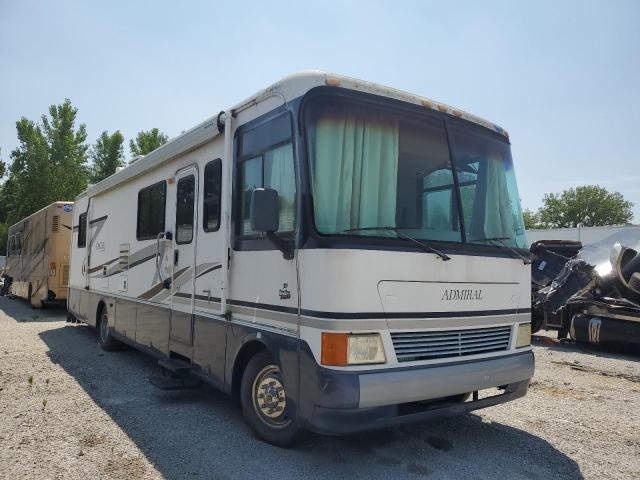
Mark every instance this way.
x=372 y=167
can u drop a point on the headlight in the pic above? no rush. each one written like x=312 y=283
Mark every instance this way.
x=524 y=335
x=341 y=349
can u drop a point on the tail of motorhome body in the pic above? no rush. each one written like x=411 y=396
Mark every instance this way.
x=341 y=255
x=37 y=267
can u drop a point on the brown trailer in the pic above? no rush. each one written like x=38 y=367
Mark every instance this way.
x=37 y=266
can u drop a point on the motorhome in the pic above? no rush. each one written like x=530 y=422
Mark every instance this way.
x=37 y=264
x=339 y=255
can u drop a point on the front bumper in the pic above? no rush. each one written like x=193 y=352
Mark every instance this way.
x=340 y=402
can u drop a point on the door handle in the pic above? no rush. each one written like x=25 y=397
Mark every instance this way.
x=176 y=256
x=208 y=292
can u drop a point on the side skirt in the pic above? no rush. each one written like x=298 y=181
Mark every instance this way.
x=195 y=371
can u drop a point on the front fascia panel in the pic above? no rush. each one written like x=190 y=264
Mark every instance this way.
x=341 y=291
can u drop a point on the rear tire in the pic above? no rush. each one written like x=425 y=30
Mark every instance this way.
x=264 y=402
x=105 y=339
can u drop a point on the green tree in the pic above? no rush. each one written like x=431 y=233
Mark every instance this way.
x=107 y=154
x=531 y=219
x=147 y=141
x=29 y=185
x=3 y=166
x=49 y=163
x=67 y=151
x=589 y=205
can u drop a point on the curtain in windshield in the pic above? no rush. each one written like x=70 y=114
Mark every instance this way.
x=488 y=191
x=354 y=166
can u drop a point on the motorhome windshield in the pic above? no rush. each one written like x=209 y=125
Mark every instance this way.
x=373 y=167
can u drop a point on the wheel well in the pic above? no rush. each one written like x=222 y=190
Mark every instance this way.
x=242 y=359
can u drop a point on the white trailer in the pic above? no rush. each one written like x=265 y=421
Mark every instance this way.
x=340 y=255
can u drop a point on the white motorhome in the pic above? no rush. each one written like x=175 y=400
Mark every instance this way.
x=341 y=255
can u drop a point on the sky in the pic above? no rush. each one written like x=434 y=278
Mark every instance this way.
x=563 y=77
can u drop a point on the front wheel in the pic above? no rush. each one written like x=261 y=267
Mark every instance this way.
x=264 y=402
x=105 y=339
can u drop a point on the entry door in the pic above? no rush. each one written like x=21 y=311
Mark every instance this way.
x=184 y=248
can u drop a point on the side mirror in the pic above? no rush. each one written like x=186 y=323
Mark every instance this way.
x=265 y=217
x=265 y=210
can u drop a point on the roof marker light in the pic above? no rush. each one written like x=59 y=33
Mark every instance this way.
x=442 y=108
x=427 y=103
x=332 y=81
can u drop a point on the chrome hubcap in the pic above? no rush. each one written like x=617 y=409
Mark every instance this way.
x=269 y=399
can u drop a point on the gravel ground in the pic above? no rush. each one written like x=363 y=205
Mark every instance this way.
x=102 y=419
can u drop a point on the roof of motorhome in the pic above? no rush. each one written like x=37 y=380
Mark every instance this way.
x=60 y=202
x=287 y=89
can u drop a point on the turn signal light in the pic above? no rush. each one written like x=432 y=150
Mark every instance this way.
x=341 y=349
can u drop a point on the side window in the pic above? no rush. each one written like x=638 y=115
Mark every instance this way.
x=212 y=199
x=82 y=230
x=266 y=160
x=12 y=243
x=151 y=211
x=19 y=242
x=184 y=209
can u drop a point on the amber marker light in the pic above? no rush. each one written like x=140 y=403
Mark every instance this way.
x=332 y=81
x=335 y=349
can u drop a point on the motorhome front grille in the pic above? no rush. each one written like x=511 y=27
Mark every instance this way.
x=65 y=275
x=55 y=223
x=414 y=346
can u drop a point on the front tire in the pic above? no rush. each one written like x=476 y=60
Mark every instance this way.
x=264 y=402
x=105 y=339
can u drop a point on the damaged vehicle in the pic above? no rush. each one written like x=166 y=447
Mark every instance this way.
x=591 y=293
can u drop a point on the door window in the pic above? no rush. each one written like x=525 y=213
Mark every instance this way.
x=212 y=198
x=184 y=209
x=267 y=161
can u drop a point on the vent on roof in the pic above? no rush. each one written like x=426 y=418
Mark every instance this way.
x=55 y=224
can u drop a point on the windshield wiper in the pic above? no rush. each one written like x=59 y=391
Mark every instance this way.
x=499 y=242
x=429 y=248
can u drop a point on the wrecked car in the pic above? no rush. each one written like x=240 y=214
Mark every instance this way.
x=591 y=292
x=548 y=257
